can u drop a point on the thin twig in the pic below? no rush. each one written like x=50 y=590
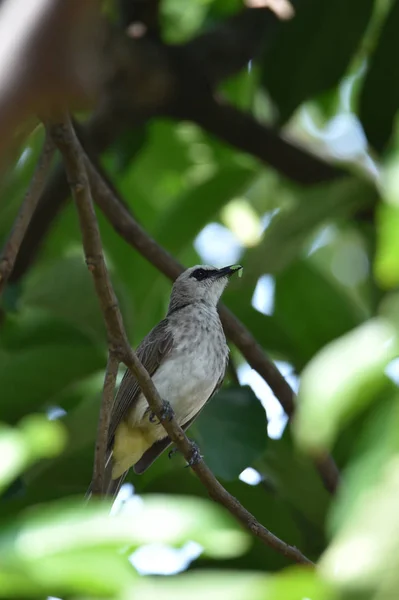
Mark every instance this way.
x=124 y=224
x=13 y=244
x=68 y=144
x=103 y=424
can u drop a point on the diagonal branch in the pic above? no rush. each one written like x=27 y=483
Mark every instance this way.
x=32 y=197
x=68 y=144
x=103 y=423
x=125 y=225
x=145 y=79
x=243 y=132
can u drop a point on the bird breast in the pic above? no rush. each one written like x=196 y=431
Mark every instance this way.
x=198 y=360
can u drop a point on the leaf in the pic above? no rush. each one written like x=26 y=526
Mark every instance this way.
x=205 y=584
x=96 y=572
x=36 y=437
x=289 y=230
x=375 y=444
x=379 y=98
x=65 y=289
x=296 y=480
x=15 y=182
x=128 y=146
x=232 y=431
x=300 y=64
x=291 y=584
x=386 y=264
x=181 y=20
x=321 y=311
x=66 y=526
x=30 y=377
x=363 y=557
x=340 y=381
x=269 y=333
x=267 y=506
x=196 y=207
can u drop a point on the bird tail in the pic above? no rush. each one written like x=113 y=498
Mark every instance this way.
x=111 y=486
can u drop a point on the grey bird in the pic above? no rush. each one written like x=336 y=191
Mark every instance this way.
x=186 y=355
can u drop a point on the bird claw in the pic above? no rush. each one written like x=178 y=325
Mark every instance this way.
x=167 y=413
x=196 y=455
x=195 y=458
x=172 y=452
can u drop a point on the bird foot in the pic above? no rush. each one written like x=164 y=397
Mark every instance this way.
x=167 y=413
x=195 y=457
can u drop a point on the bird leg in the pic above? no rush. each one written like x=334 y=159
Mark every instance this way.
x=196 y=455
x=167 y=413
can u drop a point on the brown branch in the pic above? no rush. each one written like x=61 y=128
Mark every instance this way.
x=103 y=423
x=124 y=224
x=68 y=144
x=97 y=134
x=41 y=53
x=142 y=78
x=243 y=132
x=13 y=244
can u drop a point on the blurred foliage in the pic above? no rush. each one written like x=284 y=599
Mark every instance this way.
x=329 y=308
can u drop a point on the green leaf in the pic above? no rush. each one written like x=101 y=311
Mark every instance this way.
x=65 y=289
x=288 y=231
x=300 y=63
x=363 y=558
x=128 y=146
x=232 y=431
x=14 y=182
x=292 y=584
x=379 y=98
x=95 y=572
x=321 y=311
x=36 y=437
x=30 y=377
x=296 y=480
x=376 y=442
x=266 y=505
x=67 y=548
x=341 y=381
x=196 y=207
x=386 y=264
x=181 y=20
x=67 y=526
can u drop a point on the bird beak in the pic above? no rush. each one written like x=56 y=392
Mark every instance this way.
x=229 y=271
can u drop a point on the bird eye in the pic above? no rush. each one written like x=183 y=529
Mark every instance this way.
x=199 y=274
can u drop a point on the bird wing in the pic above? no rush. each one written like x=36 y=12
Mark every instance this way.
x=154 y=348
x=158 y=447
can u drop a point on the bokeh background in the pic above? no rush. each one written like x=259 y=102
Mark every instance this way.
x=319 y=242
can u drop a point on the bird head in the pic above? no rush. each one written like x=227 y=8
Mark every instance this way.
x=201 y=283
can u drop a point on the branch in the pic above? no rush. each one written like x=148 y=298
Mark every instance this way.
x=142 y=78
x=244 y=132
x=103 y=423
x=13 y=244
x=124 y=224
x=68 y=144
x=228 y=47
x=41 y=49
x=98 y=134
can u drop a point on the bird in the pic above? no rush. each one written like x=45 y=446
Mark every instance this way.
x=186 y=355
